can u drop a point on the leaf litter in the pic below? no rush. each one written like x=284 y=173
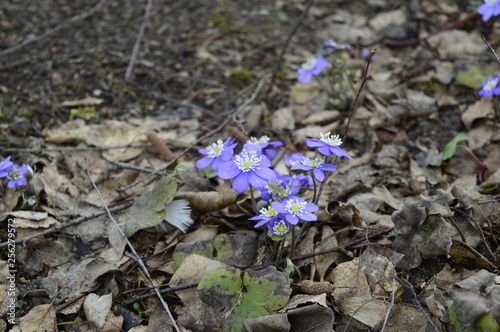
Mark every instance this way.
x=437 y=234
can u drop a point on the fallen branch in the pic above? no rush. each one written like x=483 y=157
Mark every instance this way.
x=68 y=224
x=132 y=249
x=52 y=31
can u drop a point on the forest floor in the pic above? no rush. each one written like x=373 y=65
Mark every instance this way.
x=98 y=91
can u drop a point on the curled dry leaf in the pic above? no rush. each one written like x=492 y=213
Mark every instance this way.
x=207 y=201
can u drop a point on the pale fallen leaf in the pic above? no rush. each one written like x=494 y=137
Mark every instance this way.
x=40 y=318
x=97 y=308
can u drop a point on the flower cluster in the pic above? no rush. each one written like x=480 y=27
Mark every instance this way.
x=489 y=8
x=15 y=175
x=251 y=168
x=490 y=87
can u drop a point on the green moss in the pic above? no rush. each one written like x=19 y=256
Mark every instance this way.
x=29 y=113
x=88 y=112
x=239 y=78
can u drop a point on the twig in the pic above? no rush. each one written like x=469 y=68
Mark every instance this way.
x=409 y=286
x=338 y=248
x=210 y=133
x=137 y=44
x=68 y=224
x=419 y=39
x=391 y=305
x=491 y=49
x=52 y=31
x=162 y=291
x=71 y=149
x=133 y=167
x=285 y=46
x=131 y=247
x=480 y=230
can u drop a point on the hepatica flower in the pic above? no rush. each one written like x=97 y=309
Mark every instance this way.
x=267 y=146
x=328 y=145
x=296 y=208
x=278 y=227
x=317 y=166
x=489 y=8
x=490 y=87
x=249 y=167
x=17 y=176
x=216 y=154
x=312 y=67
x=266 y=215
x=331 y=45
x=5 y=167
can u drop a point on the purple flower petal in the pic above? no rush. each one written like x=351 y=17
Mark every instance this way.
x=228 y=170
x=204 y=162
x=240 y=182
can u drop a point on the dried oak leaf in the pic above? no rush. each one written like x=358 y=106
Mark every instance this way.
x=207 y=201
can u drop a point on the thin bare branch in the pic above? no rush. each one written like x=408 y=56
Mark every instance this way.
x=138 y=40
x=132 y=249
x=52 y=31
x=67 y=224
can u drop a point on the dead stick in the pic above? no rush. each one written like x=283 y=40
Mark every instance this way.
x=54 y=30
x=132 y=249
x=285 y=46
x=68 y=224
x=137 y=44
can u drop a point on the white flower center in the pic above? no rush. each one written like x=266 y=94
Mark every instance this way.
x=247 y=161
x=491 y=2
x=280 y=228
x=309 y=64
x=316 y=162
x=14 y=174
x=255 y=140
x=491 y=84
x=215 y=149
x=333 y=140
x=269 y=212
x=295 y=207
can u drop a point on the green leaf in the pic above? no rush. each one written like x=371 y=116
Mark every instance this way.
x=473 y=75
x=487 y=324
x=254 y=295
x=451 y=147
x=149 y=209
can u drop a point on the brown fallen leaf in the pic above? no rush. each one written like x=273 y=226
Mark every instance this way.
x=207 y=201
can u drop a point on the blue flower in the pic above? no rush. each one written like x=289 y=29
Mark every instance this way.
x=268 y=148
x=249 y=167
x=328 y=145
x=217 y=153
x=278 y=227
x=283 y=187
x=313 y=66
x=294 y=159
x=490 y=87
x=317 y=166
x=488 y=9
x=266 y=215
x=5 y=167
x=17 y=176
x=331 y=45
x=296 y=208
